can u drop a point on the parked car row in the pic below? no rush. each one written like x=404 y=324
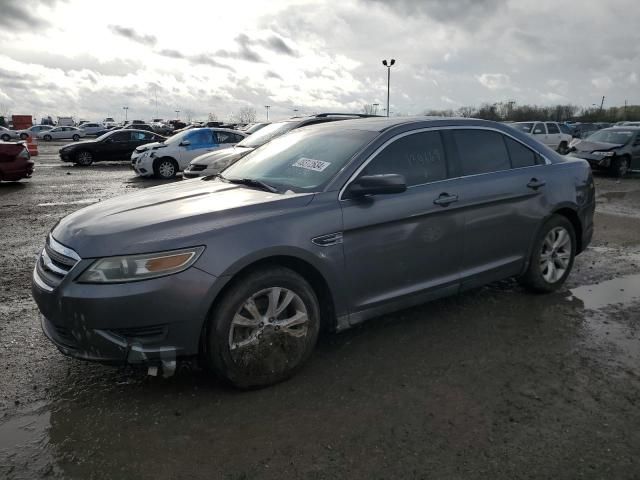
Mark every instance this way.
x=615 y=149
x=552 y=134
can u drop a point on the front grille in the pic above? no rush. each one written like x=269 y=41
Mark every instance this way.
x=54 y=263
x=197 y=168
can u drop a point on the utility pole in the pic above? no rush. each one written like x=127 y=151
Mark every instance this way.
x=602 y=104
x=625 y=109
x=375 y=108
x=267 y=107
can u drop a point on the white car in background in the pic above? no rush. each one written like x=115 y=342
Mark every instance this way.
x=91 y=128
x=109 y=122
x=166 y=159
x=6 y=134
x=62 y=133
x=548 y=133
x=33 y=131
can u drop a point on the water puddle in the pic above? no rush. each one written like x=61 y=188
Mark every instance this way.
x=619 y=291
x=85 y=201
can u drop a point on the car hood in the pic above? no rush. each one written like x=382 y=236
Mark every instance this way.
x=150 y=146
x=587 y=146
x=182 y=214
x=71 y=146
x=228 y=154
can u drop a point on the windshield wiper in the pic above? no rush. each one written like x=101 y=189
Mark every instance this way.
x=251 y=182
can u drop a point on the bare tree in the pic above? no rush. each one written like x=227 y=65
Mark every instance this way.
x=189 y=114
x=247 y=115
x=466 y=112
x=370 y=109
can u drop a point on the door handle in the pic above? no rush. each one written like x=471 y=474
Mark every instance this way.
x=444 y=200
x=535 y=184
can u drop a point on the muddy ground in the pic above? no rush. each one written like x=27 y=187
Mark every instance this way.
x=495 y=383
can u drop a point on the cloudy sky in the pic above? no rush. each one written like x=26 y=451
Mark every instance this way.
x=89 y=59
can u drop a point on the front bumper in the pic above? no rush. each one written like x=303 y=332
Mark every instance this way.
x=148 y=321
x=142 y=164
x=595 y=161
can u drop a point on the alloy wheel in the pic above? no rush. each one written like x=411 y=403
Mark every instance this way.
x=268 y=332
x=166 y=169
x=555 y=256
x=84 y=158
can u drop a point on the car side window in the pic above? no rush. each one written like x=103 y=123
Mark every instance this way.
x=419 y=157
x=520 y=155
x=121 y=136
x=224 y=137
x=481 y=151
x=201 y=137
x=552 y=128
x=137 y=136
x=237 y=138
x=539 y=129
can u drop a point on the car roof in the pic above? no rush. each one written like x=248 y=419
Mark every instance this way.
x=381 y=124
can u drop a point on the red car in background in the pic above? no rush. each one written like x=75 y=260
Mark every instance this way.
x=15 y=161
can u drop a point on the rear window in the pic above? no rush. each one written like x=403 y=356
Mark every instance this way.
x=521 y=156
x=481 y=151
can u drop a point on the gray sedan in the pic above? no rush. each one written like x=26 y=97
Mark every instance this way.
x=322 y=228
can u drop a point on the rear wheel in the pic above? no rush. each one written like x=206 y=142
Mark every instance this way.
x=263 y=329
x=552 y=257
x=620 y=166
x=23 y=136
x=47 y=138
x=84 y=158
x=5 y=137
x=76 y=137
x=165 y=168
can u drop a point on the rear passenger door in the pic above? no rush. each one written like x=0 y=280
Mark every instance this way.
x=502 y=189
x=403 y=244
x=553 y=135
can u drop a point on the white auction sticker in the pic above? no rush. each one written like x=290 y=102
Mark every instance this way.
x=310 y=164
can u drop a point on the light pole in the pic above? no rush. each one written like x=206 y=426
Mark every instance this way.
x=388 y=65
x=267 y=107
x=177 y=114
x=126 y=110
x=375 y=108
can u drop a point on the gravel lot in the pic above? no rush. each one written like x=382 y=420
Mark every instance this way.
x=494 y=383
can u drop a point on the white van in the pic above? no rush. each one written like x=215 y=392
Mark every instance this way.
x=164 y=160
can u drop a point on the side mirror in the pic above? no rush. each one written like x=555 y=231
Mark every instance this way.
x=185 y=143
x=377 y=185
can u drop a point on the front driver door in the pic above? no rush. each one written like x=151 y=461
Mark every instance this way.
x=398 y=245
x=199 y=141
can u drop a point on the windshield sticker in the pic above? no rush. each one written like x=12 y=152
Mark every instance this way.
x=310 y=164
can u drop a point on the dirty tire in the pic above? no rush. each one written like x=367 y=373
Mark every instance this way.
x=620 y=166
x=76 y=137
x=563 y=148
x=84 y=158
x=5 y=138
x=47 y=138
x=165 y=168
x=276 y=352
x=540 y=276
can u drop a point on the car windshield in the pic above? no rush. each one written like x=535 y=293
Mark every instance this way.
x=267 y=134
x=611 y=136
x=178 y=137
x=526 y=127
x=301 y=161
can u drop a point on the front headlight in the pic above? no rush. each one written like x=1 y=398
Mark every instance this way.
x=603 y=154
x=132 y=268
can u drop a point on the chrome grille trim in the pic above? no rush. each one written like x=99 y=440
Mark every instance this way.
x=67 y=252
x=39 y=282
x=49 y=265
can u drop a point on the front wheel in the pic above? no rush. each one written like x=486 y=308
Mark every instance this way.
x=84 y=158
x=619 y=166
x=563 y=148
x=166 y=168
x=552 y=257
x=5 y=137
x=47 y=138
x=263 y=329
x=76 y=137
x=23 y=136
